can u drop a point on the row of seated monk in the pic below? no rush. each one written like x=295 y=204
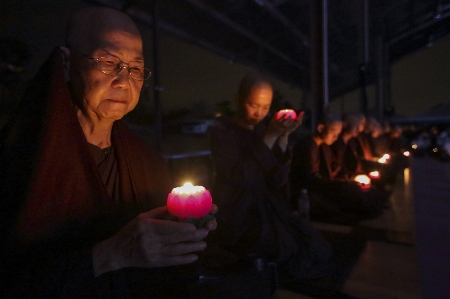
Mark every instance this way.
x=331 y=162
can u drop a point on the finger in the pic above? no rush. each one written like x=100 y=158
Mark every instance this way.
x=300 y=116
x=211 y=225
x=157 y=213
x=151 y=237
x=176 y=260
x=164 y=227
x=183 y=248
x=214 y=209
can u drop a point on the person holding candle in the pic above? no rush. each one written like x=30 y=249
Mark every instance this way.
x=82 y=210
x=251 y=188
x=334 y=198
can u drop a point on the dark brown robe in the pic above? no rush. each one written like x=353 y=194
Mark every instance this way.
x=251 y=192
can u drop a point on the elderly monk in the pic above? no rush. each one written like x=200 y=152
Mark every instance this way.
x=252 y=163
x=82 y=199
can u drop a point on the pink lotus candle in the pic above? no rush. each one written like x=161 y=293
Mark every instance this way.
x=363 y=180
x=286 y=112
x=189 y=201
x=374 y=175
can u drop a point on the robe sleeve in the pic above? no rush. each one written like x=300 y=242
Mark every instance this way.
x=247 y=169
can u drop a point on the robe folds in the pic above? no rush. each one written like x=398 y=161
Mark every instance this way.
x=54 y=206
x=251 y=191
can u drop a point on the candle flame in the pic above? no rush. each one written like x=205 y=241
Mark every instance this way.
x=188 y=188
x=374 y=174
x=362 y=179
x=382 y=160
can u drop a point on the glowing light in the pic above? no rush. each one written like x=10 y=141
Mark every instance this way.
x=374 y=174
x=435 y=150
x=414 y=146
x=382 y=160
x=286 y=112
x=189 y=201
x=362 y=179
x=406 y=154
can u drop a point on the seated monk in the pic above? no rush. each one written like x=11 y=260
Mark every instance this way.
x=344 y=154
x=82 y=210
x=252 y=165
x=312 y=168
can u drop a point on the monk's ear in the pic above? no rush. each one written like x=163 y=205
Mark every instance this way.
x=320 y=128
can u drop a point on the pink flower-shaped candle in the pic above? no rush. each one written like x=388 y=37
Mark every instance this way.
x=286 y=113
x=363 y=180
x=189 y=201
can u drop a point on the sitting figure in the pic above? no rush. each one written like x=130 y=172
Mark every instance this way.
x=314 y=167
x=345 y=155
x=252 y=164
x=82 y=210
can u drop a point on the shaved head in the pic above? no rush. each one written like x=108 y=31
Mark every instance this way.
x=86 y=27
x=110 y=35
x=250 y=81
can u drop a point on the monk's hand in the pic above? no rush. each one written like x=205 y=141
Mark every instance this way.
x=292 y=124
x=211 y=224
x=150 y=241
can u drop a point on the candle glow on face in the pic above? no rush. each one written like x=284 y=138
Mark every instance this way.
x=189 y=201
x=286 y=112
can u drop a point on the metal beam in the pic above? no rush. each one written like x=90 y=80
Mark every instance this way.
x=285 y=21
x=243 y=31
x=422 y=26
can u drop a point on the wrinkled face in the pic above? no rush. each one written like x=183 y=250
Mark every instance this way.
x=257 y=105
x=331 y=133
x=104 y=96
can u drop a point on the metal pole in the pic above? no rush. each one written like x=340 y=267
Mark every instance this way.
x=319 y=59
x=364 y=54
x=381 y=78
x=156 y=79
x=325 y=55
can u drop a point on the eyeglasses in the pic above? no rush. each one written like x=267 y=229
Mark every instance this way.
x=112 y=66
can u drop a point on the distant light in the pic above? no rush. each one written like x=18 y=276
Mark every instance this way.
x=435 y=150
x=414 y=146
x=374 y=175
x=382 y=160
x=362 y=178
x=386 y=156
x=406 y=154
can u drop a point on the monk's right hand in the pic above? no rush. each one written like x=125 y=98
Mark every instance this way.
x=149 y=241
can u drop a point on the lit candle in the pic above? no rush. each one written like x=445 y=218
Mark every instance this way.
x=384 y=159
x=286 y=112
x=374 y=175
x=189 y=201
x=363 y=180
